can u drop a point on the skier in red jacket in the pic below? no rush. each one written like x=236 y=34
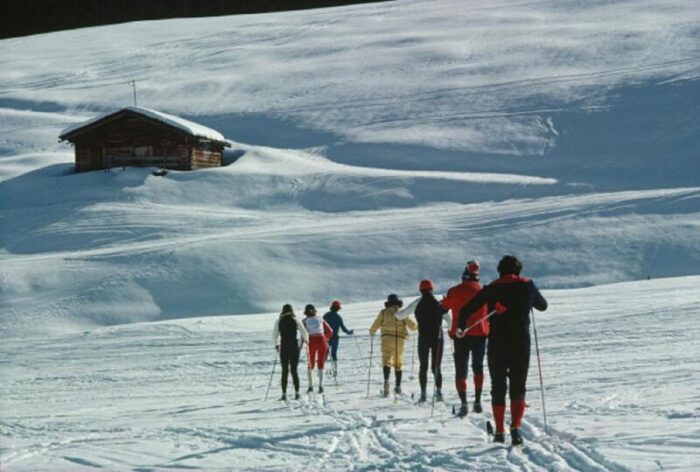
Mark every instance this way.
x=474 y=341
x=319 y=334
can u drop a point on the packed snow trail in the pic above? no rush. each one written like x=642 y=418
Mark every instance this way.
x=188 y=394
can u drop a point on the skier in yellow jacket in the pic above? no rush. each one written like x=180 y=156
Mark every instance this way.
x=394 y=334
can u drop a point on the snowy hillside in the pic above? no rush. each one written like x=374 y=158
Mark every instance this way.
x=374 y=145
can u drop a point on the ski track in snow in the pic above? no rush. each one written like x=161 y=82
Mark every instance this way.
x=189 y=394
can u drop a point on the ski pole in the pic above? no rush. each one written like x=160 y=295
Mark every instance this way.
x=539 y=368
x=463 y=332
x=274 y=364
x=369 y=370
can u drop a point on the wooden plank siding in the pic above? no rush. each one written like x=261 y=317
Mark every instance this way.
x=132 y=140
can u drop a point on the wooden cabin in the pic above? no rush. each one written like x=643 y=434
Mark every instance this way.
x=137 y=136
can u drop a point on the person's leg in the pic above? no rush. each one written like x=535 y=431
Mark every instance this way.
x=284 y=362
x=398 y=362
x=498 y=368
x=478 y=349
x=423 y=349
x=293 y=363
x=461 y=356
x=519 y=365
x=436 y=358
x=334 y=347
x=387 y=361
x=322 y=354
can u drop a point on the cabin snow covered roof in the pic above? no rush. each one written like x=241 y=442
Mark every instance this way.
x=181 y=124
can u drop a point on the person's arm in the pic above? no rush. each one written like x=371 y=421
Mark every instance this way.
x=411 y=324
x=376 y=325
x=539 y=301
x=276 y=333
x=304 y=333
x=342 y=326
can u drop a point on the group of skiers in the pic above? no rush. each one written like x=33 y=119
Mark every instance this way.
x=497 y=315
x=319 y=334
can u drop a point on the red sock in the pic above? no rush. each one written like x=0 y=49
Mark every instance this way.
x=499 y=415
x=461 y=385
x=517 y=411
x=478 y=381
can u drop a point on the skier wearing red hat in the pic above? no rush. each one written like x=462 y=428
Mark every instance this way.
x=509 y=341
x=474 y=341
x=429 y=316
x=335 y=321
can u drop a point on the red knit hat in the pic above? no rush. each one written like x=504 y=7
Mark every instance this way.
x=425 y=284
x=335 y=306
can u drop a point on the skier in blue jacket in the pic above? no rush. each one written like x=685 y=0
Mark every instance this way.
x=336 y=322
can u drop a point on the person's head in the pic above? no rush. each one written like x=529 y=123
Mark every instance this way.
x=471 y=270
x=425 y=286
x=287 y=308
x=509 y=265
x=310 y=310
x=393 y=300
x=335 y=306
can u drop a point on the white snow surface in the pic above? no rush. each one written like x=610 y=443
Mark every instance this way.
x=619 y=364
x=372 y=146
x=193 y=129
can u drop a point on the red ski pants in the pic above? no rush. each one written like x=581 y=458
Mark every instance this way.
x=318 y=350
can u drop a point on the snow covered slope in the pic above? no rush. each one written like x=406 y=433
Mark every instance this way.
x=373 y=145
x=619 y=363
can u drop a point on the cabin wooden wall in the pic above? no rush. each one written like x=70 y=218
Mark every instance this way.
x=134 y=141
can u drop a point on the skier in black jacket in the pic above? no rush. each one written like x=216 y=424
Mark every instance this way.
x=429 y=316
x=509 y=341
x=285 y=330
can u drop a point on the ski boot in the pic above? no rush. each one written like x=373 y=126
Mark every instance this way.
x=311 y=389
x=320 y=389
x=422 y=398
x=499 y=438
x=296 y=395
x=387 y=390
x=283 y=398
x=516 y=437
x=463 y=410
x=438 y=395
x=477 y=407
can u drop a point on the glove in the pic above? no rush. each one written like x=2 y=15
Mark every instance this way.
x=500 y=309
x=371 y=333
x=278 y=348
x=452 y=334
x=351 y=331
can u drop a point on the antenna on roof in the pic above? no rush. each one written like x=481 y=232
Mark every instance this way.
x=133 y=85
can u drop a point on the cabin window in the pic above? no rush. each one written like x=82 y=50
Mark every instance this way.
x=142 y=151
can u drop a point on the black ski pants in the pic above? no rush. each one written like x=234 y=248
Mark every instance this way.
x=509 y=360
x=289 y=359
x=476 y=345
x=430 y=347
